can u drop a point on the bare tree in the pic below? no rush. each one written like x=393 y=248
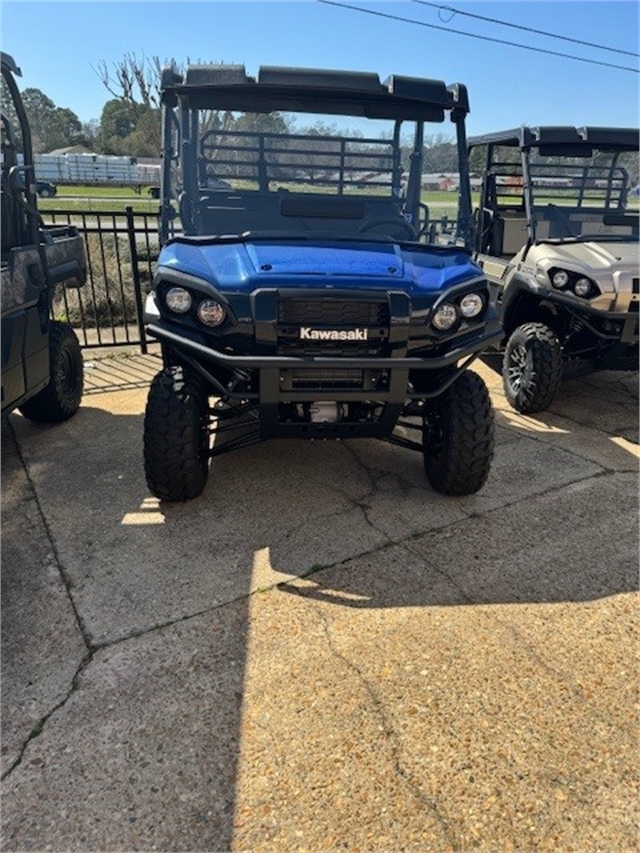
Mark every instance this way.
x=132 y=79
x=130 y=122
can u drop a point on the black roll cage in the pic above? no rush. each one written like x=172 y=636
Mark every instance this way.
x=25 y=197
x=279 y=89
x=551 y=141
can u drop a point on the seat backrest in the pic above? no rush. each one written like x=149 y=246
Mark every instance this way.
x=514 y=235
x=12 y=222
x=235 y=212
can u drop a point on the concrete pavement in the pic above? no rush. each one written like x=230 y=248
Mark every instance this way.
x=321 y=653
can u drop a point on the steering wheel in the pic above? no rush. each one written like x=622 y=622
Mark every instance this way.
x=401 y=224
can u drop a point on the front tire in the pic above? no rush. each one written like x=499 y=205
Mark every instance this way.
x=458 y=437
x=532 y=368
x=176 y=436
x=60 y=399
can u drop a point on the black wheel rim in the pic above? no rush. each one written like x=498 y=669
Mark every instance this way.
x=68 y=374
x=518 y=367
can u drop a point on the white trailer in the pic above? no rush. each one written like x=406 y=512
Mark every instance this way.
x=95 y=170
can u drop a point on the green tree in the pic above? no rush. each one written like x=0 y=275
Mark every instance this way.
x=130 y=121
x=51 y=126
x=129 y=128
x=440 y=154
x=119 y=119
x=261 y=123
x=145 y=141
x=90 y=130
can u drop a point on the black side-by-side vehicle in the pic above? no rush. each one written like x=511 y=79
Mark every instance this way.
x=42 y=369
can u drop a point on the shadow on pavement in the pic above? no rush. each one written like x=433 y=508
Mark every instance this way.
x=351 y=524
x=282 y=509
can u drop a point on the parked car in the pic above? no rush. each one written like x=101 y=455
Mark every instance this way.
x=45 y=189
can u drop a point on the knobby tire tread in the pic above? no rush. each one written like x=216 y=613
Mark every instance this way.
x=176 y=457
x=467 y=426
x=56 y=403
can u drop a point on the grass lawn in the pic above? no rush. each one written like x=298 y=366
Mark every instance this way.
x=109 y=199
x=115 y=199
x=101 y=191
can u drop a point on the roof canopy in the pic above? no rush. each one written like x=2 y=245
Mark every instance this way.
x=620 y=138
x=315 y=91
x=9 y=62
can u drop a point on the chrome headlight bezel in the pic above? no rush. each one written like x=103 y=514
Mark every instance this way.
x=217 y=314
x=575 y=283
x=464 y=305
x=472 y=305
x=445 y=317
x=178 y=300
x=559 y=278
x=583 y=287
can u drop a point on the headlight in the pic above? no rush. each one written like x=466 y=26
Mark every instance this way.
x=178 y=300
x=445 y=317
x=560 y=278
x=211 y=313
x=582 y=287
x=471 y=305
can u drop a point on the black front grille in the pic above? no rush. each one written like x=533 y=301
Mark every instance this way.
x=290 y=344
x=635 y=285
x=302 y=321
x=338 y=312
x=326 y=379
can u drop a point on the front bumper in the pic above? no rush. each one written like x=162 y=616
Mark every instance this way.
x=380 y=383
x=610 y=319
x=264 y=358
x=261 y=362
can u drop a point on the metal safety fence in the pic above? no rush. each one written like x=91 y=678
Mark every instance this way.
x=122 y=249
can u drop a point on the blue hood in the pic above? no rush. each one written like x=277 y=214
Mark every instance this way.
x=244 y=266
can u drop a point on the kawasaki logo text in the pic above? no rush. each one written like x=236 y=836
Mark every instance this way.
x=309 y=334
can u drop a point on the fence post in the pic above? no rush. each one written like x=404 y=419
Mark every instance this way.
x=135 y=272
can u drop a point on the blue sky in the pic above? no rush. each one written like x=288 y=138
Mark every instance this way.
x=57 y=43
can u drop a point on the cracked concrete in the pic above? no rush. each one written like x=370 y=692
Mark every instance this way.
x=321 y=653
x=42 y=646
